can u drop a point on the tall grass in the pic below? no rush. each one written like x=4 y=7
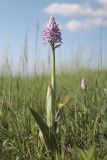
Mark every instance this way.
x=83 y=126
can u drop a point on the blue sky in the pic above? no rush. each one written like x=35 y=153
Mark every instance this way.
x=80 y=22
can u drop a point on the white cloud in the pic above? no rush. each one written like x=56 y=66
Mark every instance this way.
x=63 y=9
x=92 y=17
x=70 y=9
x=102 y=1
x=75 y=25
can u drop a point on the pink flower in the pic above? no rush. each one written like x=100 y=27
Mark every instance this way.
x=52 y=33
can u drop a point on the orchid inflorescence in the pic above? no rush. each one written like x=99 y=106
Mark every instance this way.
x=52 y=33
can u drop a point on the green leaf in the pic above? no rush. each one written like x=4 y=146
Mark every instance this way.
x=91 y=153
x=48 y=134
x=49 y=106
x=5 y=142
x=88 y=155
x=83 y=155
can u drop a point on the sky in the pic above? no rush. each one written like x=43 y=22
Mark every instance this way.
x=83 y=24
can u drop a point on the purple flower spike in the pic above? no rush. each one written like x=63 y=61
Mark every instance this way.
x=52 y=33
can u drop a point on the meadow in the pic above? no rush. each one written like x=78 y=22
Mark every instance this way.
x=52 y=115
x=83 y=123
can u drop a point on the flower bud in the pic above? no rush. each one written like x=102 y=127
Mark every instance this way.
x=83 y=84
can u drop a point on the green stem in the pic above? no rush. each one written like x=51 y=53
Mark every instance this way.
x=53 y=69
x=53 y=83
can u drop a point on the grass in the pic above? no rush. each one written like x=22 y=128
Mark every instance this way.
x=83 y=127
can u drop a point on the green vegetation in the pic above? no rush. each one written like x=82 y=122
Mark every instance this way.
x=83 y=123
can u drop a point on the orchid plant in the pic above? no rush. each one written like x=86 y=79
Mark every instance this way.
x=52 y=36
